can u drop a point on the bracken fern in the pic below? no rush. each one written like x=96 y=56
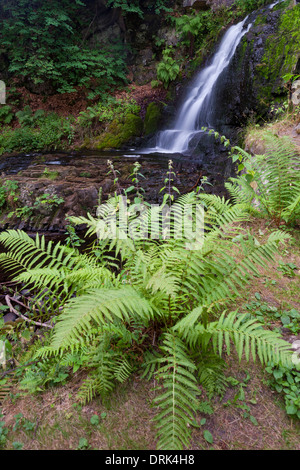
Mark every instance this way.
x=162 y=304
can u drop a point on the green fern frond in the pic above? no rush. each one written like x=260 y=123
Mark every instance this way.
x=88 y=389
x=274 y=181
x=23 y=253
x=99 y=306
x=211 y=374
x=177 y=401
x=122 y=370
x=249 y=337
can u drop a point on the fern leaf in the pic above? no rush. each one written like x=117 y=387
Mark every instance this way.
x=99 y=306
x=178 y=399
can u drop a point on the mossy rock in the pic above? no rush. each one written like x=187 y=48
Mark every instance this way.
x=281 y=54
x=119 y=133
x=152 y=118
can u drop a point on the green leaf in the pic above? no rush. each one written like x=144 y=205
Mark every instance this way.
x=291 y=409
x=253 y=420
x=208 y=436
x=95 y=420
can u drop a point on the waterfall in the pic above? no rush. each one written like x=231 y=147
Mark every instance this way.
x=197 y=109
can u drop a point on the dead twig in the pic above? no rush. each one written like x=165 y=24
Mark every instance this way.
x=13 y=310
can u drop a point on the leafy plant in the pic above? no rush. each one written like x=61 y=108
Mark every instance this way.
x=134 y=7
x=27 y=118
x=17 y=445
x=286 y=381
x=152 y=295
x=287 y=269
x=52 y=175
x=6 y=114
x=245 y=6
x=267 y=314
x=45 y=46
x=8 y=193
x=195 y=26
x=168 y=69
x=48 y=200
x=269 y=183
x=3 y=432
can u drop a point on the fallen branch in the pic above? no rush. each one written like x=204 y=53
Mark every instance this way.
x=13 y=310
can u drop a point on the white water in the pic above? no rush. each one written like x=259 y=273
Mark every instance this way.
x=275 y=3
x=197 y=108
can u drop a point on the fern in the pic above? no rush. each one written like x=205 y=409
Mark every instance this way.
x=179 y=391
x=272 y=180
x=99 y=306
x=210 y=370
x=122 y=370
x=157 y=297
x=249 y=338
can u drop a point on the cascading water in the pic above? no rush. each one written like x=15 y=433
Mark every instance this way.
x=197 y=110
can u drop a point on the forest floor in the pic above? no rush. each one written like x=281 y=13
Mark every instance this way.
x=250 y=416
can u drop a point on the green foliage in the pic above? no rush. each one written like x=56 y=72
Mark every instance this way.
x=44 y=46
x=134 y=6
x=280 y=54
x=284 y=380
x=8 y=190
x=27 y=118
x=49 y=200
x=287 y=269
x=126 y=6
x=52 y=175
x=270 y=182
x=42 y=375
x=177 y=400
x=38 y=131
x=6 y=114
x=267 y=314
x=168 y=69
x=195 y=27
x=287 y=381
x=3 y=432
x=108 y=110
x=127 y=291
x=246 y=6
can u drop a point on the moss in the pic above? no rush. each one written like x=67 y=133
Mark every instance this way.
x=152 y=118
x=261 y=19
x=120 y=133
x=281 y=52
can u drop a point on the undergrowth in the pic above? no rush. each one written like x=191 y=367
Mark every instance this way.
x=149 y=299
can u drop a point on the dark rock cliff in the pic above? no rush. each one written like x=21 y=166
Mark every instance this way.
x=254 y=78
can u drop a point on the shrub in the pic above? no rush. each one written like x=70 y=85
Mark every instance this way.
x=45 y=46
x=39 y=131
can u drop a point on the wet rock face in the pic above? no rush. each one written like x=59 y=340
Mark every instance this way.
x=253 y=79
